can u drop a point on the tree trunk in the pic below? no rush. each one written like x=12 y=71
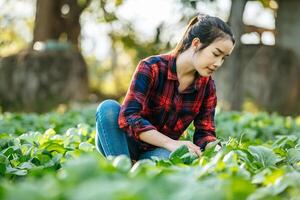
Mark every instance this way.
x=36 y=81
x=288 y=25
x=236 y=18
x=58 y=18
x=232 y=89
x=44 y=21
x=270 y=78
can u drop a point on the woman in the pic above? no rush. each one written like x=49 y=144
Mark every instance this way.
x=166 y=94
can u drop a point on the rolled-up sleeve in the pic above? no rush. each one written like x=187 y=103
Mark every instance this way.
x=204 y=122
x=130 y=119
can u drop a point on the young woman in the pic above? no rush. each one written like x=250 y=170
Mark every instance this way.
x=166 y=94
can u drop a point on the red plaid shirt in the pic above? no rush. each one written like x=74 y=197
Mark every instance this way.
x=154 y=102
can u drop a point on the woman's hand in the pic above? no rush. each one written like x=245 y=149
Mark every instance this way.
x=175 y=144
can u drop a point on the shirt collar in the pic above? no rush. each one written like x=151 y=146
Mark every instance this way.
x=201 y=81
x=172 y=73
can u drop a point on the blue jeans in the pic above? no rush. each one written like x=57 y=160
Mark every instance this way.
x=111 y=140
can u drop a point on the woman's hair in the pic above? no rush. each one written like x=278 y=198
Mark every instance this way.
x=207 y=29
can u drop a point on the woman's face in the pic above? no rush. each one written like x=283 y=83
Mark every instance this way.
x=209 y=59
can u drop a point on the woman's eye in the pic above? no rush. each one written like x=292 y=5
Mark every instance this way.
x=216 y=55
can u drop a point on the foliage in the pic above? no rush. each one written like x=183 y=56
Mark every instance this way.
x=59 y=121
x=52 y=156
x=13 y=34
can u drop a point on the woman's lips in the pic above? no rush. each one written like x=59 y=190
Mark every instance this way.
x=210 y=70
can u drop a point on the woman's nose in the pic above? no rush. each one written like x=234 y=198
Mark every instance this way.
x=218 y=63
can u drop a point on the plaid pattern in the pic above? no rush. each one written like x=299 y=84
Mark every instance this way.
x=154 y=102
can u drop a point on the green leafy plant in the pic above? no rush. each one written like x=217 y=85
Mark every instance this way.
x=52 y=156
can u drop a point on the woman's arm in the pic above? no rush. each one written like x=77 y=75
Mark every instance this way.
x=130 y=119
x=156 y=138
x=204 y=122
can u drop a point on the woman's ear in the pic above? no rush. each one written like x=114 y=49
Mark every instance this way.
x=196 y=43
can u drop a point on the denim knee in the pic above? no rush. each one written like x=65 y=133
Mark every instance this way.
x=158 y=152
x=107 y=106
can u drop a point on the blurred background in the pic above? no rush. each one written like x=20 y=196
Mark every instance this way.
x=54 y=53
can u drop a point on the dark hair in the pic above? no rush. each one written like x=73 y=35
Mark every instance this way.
x=207 y=29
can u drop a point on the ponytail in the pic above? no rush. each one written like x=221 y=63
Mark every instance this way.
x=180 y=45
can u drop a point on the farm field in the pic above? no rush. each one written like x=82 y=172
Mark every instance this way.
x=52 y=156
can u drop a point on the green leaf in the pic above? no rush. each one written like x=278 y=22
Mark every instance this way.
x=85 y=146
x=293 y=156
x=3 y=163
x=210 y=149
x=264 y=155
x=41 y=159
x=188 y=158
x=14 y=171
x=175 y=156
x=285 y=141
x=8 y=151
x=26 y=165
x=141 y=166
x=122 y=163
x=31 y=137
x=50 y=146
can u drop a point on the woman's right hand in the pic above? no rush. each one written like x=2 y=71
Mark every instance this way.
x=175 y=144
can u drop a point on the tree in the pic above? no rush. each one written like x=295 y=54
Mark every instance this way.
x=54 y=71
x=235 y=71
x=288 y=24
x=58 y=19
x=266 y=75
